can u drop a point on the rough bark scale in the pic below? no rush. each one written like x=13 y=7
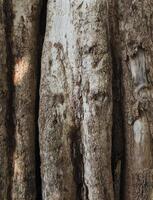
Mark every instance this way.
x=76 y=102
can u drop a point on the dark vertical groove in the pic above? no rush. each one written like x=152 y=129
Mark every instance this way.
x=118 y=124
x=10 y=114
x=118 y=141
x=41 y=35
x=77 y=161
x=78 y=164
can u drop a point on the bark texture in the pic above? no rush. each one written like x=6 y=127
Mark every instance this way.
x=18 y=30
x=76 y=100
x=4 y=172
x=135 y=27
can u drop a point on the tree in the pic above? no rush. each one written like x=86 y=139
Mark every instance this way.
x=19 y=25
x=76 y=100
x=136 y=53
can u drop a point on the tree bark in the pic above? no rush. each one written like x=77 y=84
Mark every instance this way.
x=135 y=27
x=4 y=174
x=19 y=25
x=76 y=102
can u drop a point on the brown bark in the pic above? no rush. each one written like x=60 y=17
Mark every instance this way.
x=20 y=21
x=95 y=101
x=136 y=50
x=24 y=43
x=4 y=174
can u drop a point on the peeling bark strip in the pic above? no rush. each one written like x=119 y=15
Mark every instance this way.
x=76 y=102
x=137 y=52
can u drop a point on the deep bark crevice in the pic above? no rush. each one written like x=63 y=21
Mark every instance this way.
x=77 y=161
x=78 y=164
x=118 y=141
x=41 y=35
x=10 y=114
x=117 y=129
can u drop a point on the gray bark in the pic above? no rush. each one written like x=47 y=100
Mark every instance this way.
x=76 y=100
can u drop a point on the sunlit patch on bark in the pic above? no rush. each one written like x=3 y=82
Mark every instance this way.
x=20 y=70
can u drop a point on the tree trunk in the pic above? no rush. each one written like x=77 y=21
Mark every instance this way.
x=76 y=100
x=19 y=25
x=136 y=52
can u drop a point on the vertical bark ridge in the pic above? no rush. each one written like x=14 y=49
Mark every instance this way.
x=41 y=35
x=135 y=31
x=10 y=126
x=21 y=61
x=24 y=36
x=56 y=116
x=97 y=100
x=76 y=91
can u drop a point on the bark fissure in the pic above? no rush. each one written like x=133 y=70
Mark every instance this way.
x=117 y=130
x=77 y=162
x=10 y=126
x=41 y=35
x=118 y=118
